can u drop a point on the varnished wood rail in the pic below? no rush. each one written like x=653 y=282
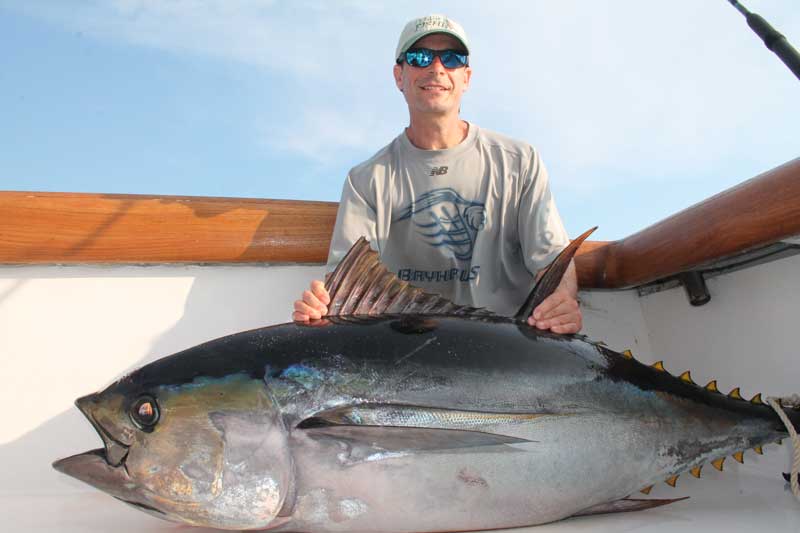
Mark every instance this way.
x=113 y=228
x=755 y=213
x=62 y=228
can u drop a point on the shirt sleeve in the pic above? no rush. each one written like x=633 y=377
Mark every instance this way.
x=355 y=218
x=541 y=231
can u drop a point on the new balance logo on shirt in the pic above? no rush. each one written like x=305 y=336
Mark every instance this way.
x=438 y=171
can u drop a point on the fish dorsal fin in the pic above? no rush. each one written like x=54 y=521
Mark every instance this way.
x=362 y=285
x=552 y=277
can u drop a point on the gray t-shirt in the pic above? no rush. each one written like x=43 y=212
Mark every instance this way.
x=474 y=223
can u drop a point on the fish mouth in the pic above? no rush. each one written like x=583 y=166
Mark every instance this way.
x=85 y=466
x=115 y=451
x=93 y=468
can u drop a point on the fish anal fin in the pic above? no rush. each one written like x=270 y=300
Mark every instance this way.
x=362 y=285
x=626 y=505
x=552 y=277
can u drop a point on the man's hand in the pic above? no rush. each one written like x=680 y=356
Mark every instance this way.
x=313 y=304
x=560 y=312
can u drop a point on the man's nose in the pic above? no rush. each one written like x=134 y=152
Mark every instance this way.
x=437 y=65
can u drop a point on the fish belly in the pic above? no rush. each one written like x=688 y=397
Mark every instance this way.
x=569 y=464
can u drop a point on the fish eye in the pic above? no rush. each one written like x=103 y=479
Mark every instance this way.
x=144 y=413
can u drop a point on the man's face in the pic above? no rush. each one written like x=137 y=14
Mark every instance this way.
x=433 y=89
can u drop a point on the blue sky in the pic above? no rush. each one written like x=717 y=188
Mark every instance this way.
x=639 y=108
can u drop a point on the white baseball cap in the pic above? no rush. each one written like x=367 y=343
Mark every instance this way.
x=420 y=27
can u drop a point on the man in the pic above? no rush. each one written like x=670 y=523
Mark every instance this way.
x=452 y=208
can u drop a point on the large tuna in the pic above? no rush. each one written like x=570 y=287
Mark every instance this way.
x=404 y=412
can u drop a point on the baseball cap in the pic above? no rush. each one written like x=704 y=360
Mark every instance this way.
x=420 y=27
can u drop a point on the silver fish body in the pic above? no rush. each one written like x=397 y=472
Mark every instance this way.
x=400 y=424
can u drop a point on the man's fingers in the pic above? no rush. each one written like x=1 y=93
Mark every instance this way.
x=304 y=309
x=313 y=302
x=318 y=288
x=565 y=307
x=554 y=305
x=549 y=303
x=299 y=317
x=571 y=327
x=560 y=313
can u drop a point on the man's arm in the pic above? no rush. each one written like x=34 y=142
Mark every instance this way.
x=541 y=232
x=560 y=312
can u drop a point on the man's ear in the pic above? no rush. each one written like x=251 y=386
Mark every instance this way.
x=467 y=77
x=398 y=76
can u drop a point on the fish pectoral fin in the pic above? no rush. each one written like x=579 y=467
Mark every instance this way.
x=626 y=505
x=377 y=442
x=377 y=431
x=420 y=416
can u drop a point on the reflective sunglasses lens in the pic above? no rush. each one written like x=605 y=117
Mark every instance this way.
x=451 y=59
x=419 y=58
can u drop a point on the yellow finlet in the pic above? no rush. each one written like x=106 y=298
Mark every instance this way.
x=735 y=394
x=739 y=456
x=659 y=365
x=696 y=471
x=672 y=481
x=759 y=450
x=686 y=377
x=718 y=463
x=756 y=399
x=646 y=490
x=712 y=386
x=627 y=354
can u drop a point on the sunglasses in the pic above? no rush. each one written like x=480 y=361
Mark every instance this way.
x=423 y=57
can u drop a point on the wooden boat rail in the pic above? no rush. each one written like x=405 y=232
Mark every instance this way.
x=69 y=228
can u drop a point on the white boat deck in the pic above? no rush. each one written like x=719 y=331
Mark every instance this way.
x=68 y=331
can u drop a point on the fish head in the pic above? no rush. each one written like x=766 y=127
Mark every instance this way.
x=208 y=451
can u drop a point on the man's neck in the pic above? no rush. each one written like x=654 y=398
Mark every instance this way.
x=437 y=134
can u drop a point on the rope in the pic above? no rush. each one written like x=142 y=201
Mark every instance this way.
x=776 y=404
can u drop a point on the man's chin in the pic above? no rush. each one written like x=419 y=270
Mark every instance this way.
x=436 y=108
